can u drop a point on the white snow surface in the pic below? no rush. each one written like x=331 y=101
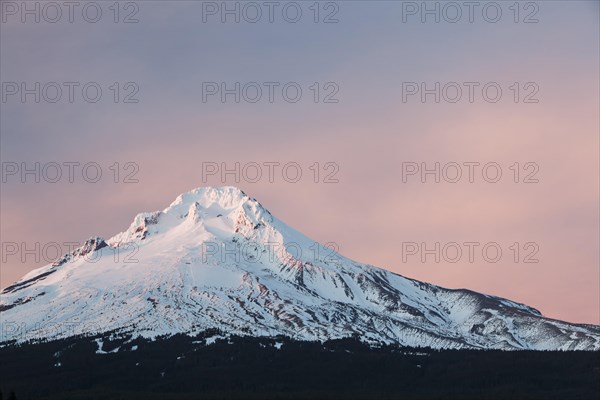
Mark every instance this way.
x=216 y=258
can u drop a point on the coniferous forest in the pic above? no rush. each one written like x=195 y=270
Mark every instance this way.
x=182 y=367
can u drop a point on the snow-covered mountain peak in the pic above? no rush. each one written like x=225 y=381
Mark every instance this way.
x=200 y=206
x=223 y=197
x=216 y=258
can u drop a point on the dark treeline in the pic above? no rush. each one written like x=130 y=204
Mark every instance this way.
x=251 y=368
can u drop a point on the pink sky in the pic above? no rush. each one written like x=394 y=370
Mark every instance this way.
x=370 y=212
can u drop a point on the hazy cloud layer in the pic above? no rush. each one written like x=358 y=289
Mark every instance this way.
x=170 y=133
